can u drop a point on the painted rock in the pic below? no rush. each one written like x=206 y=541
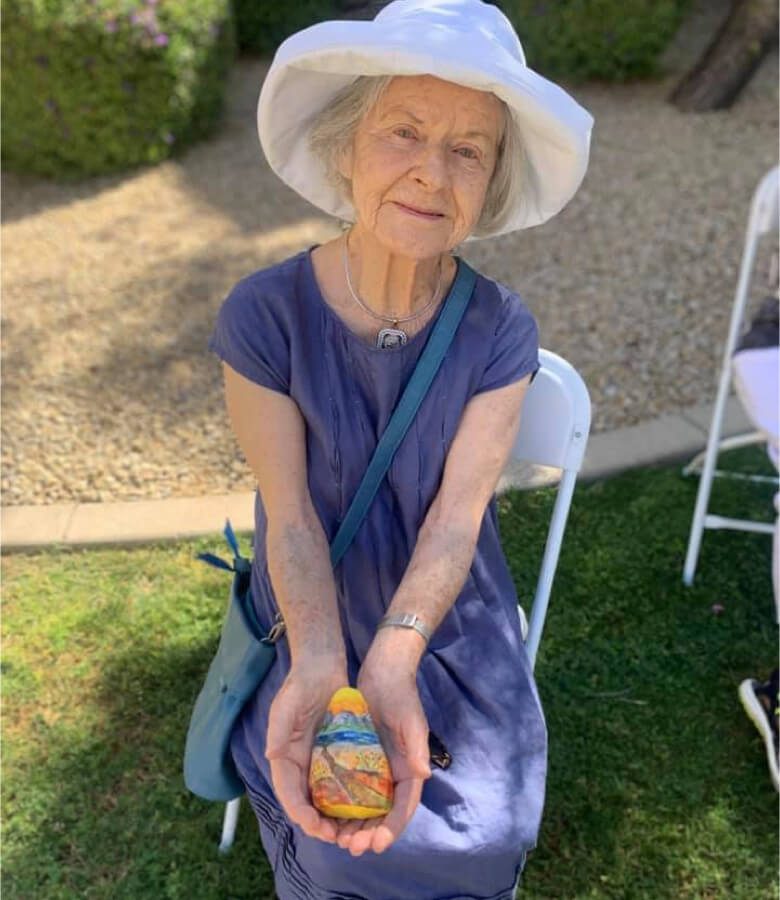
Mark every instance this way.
x=349 y=776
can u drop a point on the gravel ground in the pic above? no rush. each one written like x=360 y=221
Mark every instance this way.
x=110 y=288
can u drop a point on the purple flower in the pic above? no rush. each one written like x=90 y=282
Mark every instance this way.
x=42 y=60
x=161 y=40
x=147 y=20
x=112 y=26
x=168 y=137
x=717 y=608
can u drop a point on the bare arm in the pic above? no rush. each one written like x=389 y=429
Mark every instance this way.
x=271 y=433
x=448 y=537
x=434 y=578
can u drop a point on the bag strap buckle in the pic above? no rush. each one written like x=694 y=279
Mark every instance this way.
x=279 y=628
x=277 y=631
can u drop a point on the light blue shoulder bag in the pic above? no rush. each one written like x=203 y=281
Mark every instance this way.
x=245 y=652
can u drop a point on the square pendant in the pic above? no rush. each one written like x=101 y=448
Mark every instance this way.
x=389 y=338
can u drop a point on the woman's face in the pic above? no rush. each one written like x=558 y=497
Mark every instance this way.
x=421 y=162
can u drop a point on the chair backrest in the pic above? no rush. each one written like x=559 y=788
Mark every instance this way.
x=555 y=421
x=554 y=429
x=764 y=218
x=765 y=205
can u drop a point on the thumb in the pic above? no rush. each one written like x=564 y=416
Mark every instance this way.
x=417 y=753
x=280 y=724
x=420 y=765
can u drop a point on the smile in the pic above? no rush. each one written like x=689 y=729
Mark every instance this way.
x=420 y=213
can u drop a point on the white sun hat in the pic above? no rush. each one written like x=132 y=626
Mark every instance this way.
x=463 y=41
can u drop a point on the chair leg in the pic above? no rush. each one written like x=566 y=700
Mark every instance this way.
x=754 y=230
x=229 y=825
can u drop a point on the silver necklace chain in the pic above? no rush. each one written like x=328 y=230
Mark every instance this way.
x=394 y=319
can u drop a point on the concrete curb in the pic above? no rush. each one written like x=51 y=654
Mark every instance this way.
x=666 y=439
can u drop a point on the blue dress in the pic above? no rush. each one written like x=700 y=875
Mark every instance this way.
x=477 y=819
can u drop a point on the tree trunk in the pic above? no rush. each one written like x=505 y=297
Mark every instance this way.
x=732 y=57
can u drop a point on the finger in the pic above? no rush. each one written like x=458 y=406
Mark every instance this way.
x=419 y=764
x=315 y=825
x=289 y=728
x=327 y=829
x=362 y=839
x=407 y=749
x=286 y=779
x=414 y=744
x=346 y=829
x=405 y=802
x=277 y=737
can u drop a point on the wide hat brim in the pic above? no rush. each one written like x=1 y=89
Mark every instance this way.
x=312 y=66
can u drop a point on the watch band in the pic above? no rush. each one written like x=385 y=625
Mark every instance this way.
x=406 y=620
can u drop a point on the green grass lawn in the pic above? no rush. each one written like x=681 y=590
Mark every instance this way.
x=658 y=786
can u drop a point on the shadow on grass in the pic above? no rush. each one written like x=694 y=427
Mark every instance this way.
x=106 y=810
x=120 y=822
x=657 y=782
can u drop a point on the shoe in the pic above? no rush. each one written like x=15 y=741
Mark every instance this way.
x=760 y=702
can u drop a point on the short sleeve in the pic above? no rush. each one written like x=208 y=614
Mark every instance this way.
x=251 y=337
x=515 y=349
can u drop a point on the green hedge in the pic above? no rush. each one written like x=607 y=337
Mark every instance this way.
x=97 y=86
x=614 y=40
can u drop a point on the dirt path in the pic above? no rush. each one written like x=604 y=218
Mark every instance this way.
x=110 y=288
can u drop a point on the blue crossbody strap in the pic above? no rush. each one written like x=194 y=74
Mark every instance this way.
x=424 y=373
x=241 y=663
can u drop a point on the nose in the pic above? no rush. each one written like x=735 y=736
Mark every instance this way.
x=430 y=169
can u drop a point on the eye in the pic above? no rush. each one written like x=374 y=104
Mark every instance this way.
x=467 y=152
x=404 y=132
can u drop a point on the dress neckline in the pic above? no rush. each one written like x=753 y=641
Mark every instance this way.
x=411 y=342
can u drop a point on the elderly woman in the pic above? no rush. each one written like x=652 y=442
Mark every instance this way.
x=421 y=128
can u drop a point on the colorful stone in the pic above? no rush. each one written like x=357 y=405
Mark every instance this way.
x=349 y=776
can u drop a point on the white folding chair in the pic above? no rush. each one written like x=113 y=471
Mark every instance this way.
x=554 y=429
x=763 y=219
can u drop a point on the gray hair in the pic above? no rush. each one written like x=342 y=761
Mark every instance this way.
x=334 y=129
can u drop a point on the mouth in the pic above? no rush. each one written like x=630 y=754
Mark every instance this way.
x=421 y=213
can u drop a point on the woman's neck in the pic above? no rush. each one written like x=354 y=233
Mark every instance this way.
x=390 y=284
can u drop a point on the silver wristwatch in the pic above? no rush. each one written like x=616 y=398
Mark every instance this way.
x=406 y=620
